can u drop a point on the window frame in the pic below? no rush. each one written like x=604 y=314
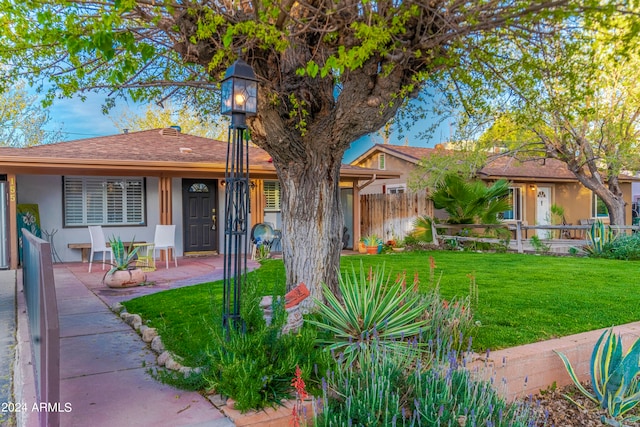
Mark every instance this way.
x=517 y=204
x=382 y=161
x=277 y=188
x=105 y=203
x=389 y=188
x=594 y=207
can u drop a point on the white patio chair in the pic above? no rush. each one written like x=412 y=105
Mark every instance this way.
x=98 y=244
x=165 y=239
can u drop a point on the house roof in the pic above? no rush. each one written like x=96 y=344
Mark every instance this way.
x=497 y=167
x=410 y=154
x=529 y=170
x=165 y=152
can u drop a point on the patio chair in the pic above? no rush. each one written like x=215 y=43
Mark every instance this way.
x=98 y=244
x=165 y=239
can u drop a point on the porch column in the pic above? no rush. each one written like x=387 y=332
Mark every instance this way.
x=165 y=200
x=356 y=215
x=166 y=205
x=13 y=222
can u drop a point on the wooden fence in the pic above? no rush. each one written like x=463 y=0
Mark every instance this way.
x=388 y=215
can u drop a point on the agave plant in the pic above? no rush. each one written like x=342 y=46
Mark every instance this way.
x=123 y=257
x=599 y=237
x=373 y=309
x=614 y=377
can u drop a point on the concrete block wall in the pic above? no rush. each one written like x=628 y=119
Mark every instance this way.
x=521 y=371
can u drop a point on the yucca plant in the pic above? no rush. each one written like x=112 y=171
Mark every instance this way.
x=373 y=308
x=599 y=237
x=614 y=377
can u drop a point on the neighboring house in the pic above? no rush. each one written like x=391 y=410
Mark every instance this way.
x=535 y=185
x=401 y=159
x=130 y=182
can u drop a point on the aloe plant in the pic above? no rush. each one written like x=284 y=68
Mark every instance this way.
x=614 y=377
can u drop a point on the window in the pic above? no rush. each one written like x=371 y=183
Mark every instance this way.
x=272 y=196
x=103 y=201
x=515 y=198
x=381 y=161
x=395 y=189
x=598 y=208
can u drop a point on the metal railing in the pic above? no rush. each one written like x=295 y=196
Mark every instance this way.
x=44 y=329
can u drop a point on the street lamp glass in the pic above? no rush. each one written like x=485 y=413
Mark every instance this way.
x=239 y=90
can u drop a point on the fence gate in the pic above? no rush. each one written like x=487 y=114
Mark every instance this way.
x=392 y=214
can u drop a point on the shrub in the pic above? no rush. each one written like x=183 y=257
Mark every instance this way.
x=626 y=247
x=386 y=388
x=614 y=377
x=255 y=368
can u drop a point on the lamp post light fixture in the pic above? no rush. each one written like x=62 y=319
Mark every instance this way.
x=239 y=99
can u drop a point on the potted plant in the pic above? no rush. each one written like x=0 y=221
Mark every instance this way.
x=398 y=244
x=372 y=242
x=123 y=272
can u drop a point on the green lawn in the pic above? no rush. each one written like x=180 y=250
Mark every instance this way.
x=521 y=298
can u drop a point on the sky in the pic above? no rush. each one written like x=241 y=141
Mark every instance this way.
x=80 y=120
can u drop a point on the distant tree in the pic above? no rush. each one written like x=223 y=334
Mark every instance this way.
x=431 y=171
x=156 y=116
x=329 y=72
x=23 y=119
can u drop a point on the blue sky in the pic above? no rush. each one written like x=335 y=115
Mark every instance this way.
x=80 y=120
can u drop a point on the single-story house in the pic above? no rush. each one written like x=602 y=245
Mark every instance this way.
x=536 y=185
x=130 y=182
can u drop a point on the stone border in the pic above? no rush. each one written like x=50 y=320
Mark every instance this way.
x=150 y=336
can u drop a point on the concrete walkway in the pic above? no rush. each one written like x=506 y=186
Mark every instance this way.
x=104 y=363
x=7 y=337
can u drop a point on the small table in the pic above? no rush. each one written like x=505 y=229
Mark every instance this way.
x=146 y=260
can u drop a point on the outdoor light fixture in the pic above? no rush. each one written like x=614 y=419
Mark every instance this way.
x=239 y=99
x=239 y=93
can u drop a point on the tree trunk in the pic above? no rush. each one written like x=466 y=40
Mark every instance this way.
x=312 y=222
x=610 y=193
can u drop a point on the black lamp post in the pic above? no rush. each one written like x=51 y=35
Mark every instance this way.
x=239 y=98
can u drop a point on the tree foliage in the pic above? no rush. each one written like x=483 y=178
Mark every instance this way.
x=23 y=120
x=161 y=116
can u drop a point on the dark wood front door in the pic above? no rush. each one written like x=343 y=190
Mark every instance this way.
x=201 y=218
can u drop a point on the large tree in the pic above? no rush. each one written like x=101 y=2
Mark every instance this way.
x=330 y=71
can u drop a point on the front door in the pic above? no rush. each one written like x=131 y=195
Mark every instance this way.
x=543 y=211
x=200 y=201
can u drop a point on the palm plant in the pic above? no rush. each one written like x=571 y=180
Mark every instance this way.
x=469 y=202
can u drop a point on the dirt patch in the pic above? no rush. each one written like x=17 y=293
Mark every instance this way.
x=564 y=413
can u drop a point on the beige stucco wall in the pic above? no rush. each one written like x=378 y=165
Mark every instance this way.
x=392 y=164
x=572 y=196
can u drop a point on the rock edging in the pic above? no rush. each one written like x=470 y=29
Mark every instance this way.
x=150 y=336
